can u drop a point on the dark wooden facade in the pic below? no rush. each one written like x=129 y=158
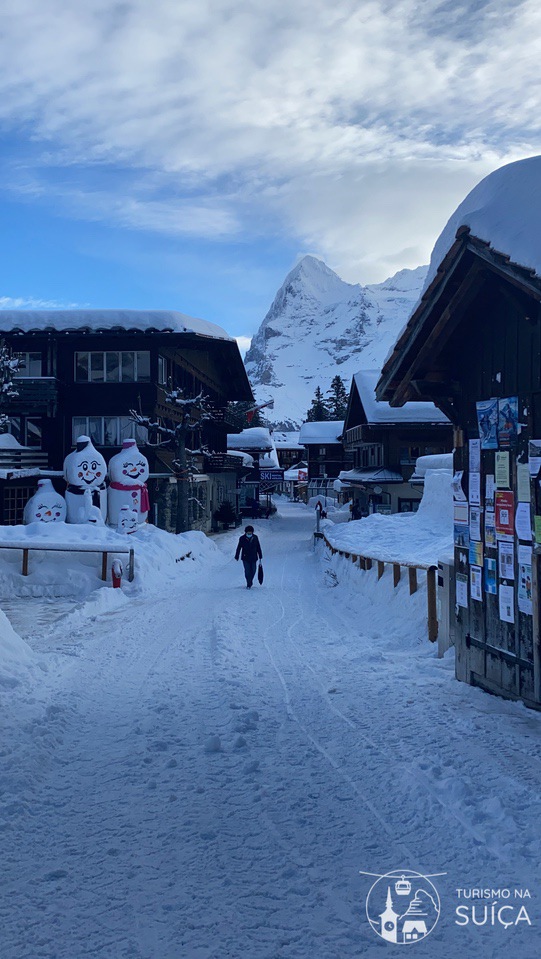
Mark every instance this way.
x=53 y=407
x=476 y=335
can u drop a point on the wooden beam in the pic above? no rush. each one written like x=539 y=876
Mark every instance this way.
x=104 y=567
x=381 y=568
x=412 y=573
x=25 y=562
x=396 y=574
x=431 y=604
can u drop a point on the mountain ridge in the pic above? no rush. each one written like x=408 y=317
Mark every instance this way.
x=319 y=325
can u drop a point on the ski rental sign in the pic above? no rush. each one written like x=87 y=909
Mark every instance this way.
x=272 y=476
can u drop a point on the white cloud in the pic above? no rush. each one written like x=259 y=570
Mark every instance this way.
x=244 y=344
x=354 y=125
x=34 y=303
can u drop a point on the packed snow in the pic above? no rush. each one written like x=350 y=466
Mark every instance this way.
x=382 y=413
x=197 y=770
x=96 y=320
x=503 y=209
x=421 y=537
x=254 y=438
x=321 y=431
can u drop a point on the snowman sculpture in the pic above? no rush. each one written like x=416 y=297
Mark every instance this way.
x=85 y=470
x=46 y=505
x=128 y=520
x=128 y=473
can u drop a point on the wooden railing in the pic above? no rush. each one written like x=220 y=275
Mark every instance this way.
x=367 y=562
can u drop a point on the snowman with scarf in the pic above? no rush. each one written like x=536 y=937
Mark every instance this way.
x=128 y=474
x=85 y=472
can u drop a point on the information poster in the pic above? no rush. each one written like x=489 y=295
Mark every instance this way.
x=490 y=576
x=506 y=560
x=507 y=422
x=523 y=521
x=506 y=598
x=524 y=555
x=461 y=514
x=462 y=535
x=475 y=489
x=504 y=504
x=524 y=595
x=523 y=483
x=462 y=590
x=475 y=456
x=489 y=488
x=534 y=457
x=487 y=419
x=537 y=528
x=476 y=583
x=502 y=469
x=475 y=523
x=459 y=495
x=490 y=528
x=476 y=553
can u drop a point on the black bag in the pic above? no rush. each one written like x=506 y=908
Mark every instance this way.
x=260 y=574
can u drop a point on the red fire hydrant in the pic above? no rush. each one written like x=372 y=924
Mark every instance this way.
x=116 y=570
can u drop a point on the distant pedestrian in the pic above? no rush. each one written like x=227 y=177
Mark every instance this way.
x=356 y=510
x=249 y=550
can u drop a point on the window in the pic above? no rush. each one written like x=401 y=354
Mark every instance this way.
x=408 y=505
x=126 y=366
x=322 y=450
x=30 y=364
x=107 y=430
x=15 y=500
x=162 y=371
x=26 y=430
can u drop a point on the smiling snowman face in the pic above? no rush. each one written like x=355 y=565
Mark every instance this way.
x=46 y=505
x=85 y=467
x=127 y=520
x=129 y=467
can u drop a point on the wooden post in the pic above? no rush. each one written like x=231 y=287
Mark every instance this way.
x=362 y=562
x=396 y=574
x=368 y=563
x=431 y=601
x=104 y=567
x=25 y=562
x=381 y=568
x=131 y=566
x=412 y=573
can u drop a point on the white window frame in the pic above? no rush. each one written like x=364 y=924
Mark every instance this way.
x=126 y=429
x=103 y=354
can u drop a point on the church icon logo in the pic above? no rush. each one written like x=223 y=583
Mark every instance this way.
x=403 y=906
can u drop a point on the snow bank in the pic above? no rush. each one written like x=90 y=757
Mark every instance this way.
x=168 y=321
x=420 y=537
x=158 y=556
x=16 y=657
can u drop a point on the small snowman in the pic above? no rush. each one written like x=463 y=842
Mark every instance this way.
x=85 y=470
x=88 y=513
x=46 y=505
x=128 y=473
x=128 y=520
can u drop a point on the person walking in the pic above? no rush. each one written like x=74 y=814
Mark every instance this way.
x=249 y=550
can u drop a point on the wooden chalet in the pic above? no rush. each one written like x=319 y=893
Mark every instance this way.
x=385 y=443
x=84 y=370
x=325 y=454
x=473 y=347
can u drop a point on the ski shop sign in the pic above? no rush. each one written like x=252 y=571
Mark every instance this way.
x=272 y=476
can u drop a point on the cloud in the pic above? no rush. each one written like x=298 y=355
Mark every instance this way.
x=244 y=344
x=34 y=303
x=243 y=117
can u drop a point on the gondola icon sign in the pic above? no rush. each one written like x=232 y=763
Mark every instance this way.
x=402 y=906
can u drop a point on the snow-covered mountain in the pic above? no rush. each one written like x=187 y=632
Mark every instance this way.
x=319 y=326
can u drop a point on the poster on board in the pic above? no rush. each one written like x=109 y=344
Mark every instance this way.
x=506 y=596
x=524 y=594
x=462 y=590
x=490 y=576
x=504 y=504
x=476 y=583
x=507 y=422
x=506 y=560
x=502 y=469
x=487 y=419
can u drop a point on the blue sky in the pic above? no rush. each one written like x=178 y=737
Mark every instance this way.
x=182 y=154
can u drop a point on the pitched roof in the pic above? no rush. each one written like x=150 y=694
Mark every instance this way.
x=379 y=412
x=170 y=321
x=321 y=431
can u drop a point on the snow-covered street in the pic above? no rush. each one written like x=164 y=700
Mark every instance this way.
x=204 y=775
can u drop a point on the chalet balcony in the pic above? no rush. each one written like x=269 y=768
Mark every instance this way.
x=22 y=458
x=36 y=395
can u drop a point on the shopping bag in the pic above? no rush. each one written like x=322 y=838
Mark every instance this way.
x=260 y=574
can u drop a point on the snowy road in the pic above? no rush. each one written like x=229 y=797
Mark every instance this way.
x=206 y=775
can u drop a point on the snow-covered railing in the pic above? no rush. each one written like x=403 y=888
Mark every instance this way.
x=367 y=562
x=102 y=548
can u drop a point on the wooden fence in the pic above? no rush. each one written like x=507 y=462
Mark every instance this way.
x=367 y=562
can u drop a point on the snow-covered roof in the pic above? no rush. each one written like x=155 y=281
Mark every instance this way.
x=433 y=461
x=293 y=473
x=371 y=476
x=9 y=442
x=256 y=438
x=246 y=459
x=381 y=412
x=503 y=209
x=321 y=431
x=96 y=320
x=288 y=441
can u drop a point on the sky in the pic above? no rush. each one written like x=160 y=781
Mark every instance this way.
x=183 y=154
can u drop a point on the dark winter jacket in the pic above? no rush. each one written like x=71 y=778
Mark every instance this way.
x=249 y=549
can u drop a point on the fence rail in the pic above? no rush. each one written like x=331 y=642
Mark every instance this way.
x=367 y=562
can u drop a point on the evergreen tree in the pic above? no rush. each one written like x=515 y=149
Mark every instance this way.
x=318 y=408
x=338 y=399
x=9 y=364
x=236 y=414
